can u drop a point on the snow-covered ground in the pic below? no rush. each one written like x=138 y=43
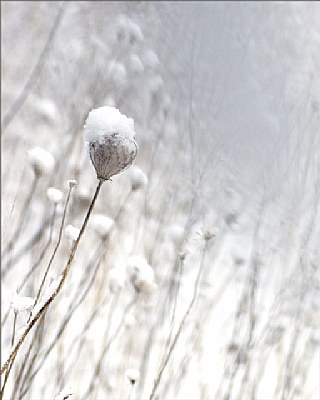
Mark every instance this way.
x=198 y=274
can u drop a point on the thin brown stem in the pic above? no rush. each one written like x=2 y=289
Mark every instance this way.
x=181 y=325
x=54 y=251
x=65 y=272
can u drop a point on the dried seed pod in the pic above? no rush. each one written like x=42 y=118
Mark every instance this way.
x=112 y=154
x=110 y=136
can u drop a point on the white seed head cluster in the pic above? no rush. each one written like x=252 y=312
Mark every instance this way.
x=46 y=109
x=150 y=59
x=117 y=277
x=141 y=274
x=128 y=30
x=102 y=224
x=138 y=178
x=54 y=195
x=41 y=161
x=136 y=64
x=21 y=303
x=118 y=73
x=72 y=183
x=132 y=374
x=72 y=232
x=111 y=139
x=65 y=394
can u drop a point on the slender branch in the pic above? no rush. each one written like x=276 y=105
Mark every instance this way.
x=177 y=335
x=54 y=251
x=34 y=76
x=66 y=270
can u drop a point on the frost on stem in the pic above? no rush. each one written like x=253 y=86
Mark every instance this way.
x=41 y=161
x=111 y=139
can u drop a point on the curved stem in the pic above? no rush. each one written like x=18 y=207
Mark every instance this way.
x=65 y=272
x=54 y=251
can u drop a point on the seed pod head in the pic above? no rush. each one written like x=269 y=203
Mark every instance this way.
x=133 y=375
x=138 y=178
x=41 y=161
x=110 y=136
x=54 y=195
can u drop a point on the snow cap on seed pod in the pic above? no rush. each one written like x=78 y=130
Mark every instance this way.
x=155 y=84
x=54 y=195
x=133 y=375
x=138 y=178
x=21 y=303
x=101 y=224
x=111 y=139
x=41 y=161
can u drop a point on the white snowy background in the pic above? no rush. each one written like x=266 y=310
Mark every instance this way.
x=226 y=102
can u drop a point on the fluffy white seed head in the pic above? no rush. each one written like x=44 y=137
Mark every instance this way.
x=101 y=224
x=118 y=73
x=128 y=31
x=141 y=274
x=72 y=183
x=21 y=303
x=135 y=64
x=46 y=109
x=117 y=278
x=72 y=232
x=138 y=178
x=54 y=195
x=122 y=28
x=132 y=374
x=155 y=84
x=41 y=161
x=150 y=59
x=176 y=233
x=135 y=33
x=65 y=394
x=110 y=136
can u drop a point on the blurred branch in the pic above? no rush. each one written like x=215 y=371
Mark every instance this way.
x=35 y=74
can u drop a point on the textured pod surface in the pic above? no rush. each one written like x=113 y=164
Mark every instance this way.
x=112 y=154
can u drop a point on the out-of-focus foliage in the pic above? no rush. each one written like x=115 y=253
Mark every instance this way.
x=199 y=269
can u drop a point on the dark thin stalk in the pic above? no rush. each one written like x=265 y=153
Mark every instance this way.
x=65 y=272
x=54 y=251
